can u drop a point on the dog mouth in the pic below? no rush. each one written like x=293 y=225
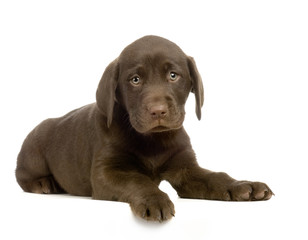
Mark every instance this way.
x=147 y=126
x=157 y=127
x=160 y=129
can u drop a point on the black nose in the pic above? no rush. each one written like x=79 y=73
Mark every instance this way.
x=158 y=111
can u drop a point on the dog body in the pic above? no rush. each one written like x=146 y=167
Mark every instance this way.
x=121 y=147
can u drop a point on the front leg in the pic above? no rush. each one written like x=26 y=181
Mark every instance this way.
x=122 y=182
x=191 y=181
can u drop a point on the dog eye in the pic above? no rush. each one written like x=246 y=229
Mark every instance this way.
x=173 y=76
x=135 y=81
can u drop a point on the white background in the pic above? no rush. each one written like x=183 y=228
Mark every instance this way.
x=253 y=57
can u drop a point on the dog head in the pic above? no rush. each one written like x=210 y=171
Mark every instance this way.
x=151 y=80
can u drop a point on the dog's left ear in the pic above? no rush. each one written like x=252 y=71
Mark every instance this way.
x=197 y=86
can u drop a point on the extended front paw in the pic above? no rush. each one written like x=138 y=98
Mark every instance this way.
x=154 y=207
x=248 y=191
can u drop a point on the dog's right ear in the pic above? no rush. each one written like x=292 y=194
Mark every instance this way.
x=105 y=94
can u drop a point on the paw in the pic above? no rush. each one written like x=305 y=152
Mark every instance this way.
x=44 y=185
x=157 y=207
x=248 y=191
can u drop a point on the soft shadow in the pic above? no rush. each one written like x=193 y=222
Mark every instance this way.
x=150 y=224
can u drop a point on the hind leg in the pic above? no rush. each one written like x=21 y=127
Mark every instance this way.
x=32 y=172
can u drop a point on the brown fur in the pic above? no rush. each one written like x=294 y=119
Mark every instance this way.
x=121 y=147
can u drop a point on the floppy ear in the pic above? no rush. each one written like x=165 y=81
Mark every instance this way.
x=105 y=94
x=197 y=86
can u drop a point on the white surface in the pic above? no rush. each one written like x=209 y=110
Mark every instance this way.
x=252 y=56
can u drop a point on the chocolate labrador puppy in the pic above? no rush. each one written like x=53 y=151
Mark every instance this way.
x=121 y=147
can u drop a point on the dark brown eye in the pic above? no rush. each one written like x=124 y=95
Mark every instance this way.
x=173 y=76
x=135 y=81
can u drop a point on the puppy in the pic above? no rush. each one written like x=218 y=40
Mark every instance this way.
x=121 y=147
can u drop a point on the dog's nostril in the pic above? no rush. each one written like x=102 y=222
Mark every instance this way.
x=158 y=111
x=158 y=114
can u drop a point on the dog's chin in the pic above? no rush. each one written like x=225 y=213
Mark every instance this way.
x=150 y=126
x=156 y=128
x=159 y=129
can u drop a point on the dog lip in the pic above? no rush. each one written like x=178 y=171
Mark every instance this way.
x=159 y=129
x=156 y=126
x=164 y=128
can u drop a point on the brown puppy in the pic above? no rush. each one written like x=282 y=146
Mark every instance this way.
x=121 y=147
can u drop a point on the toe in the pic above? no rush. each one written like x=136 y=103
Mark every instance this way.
x=241 y=191
x=261 y=191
